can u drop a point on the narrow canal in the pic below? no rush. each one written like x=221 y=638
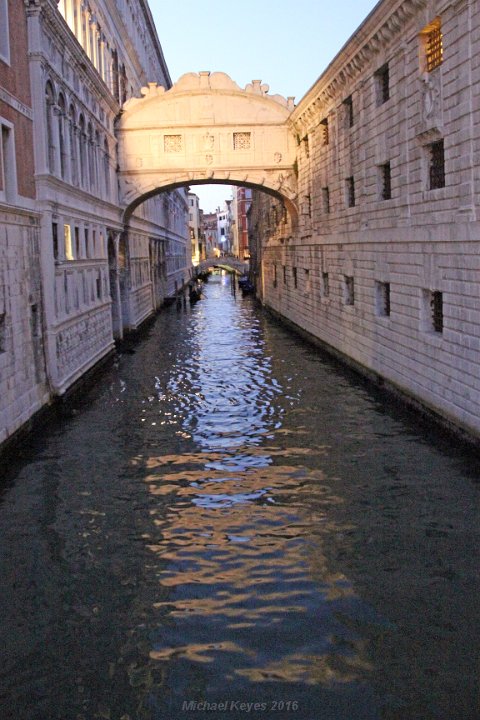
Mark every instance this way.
x=230 y=525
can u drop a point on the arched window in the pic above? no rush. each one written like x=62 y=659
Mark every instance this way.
x=73 y=145
x=61 y=136
x=82 y=139
x=91 y=176
x=106 y=168
x=51 y=149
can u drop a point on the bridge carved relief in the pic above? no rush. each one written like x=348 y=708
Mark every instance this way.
x=206 y=129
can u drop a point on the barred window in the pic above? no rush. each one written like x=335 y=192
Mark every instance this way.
x=437 y=165
x=382 y=83
x=350 y=191
x=349 y=290
x=434 y=47
x=172 y=143
x=324 y=129
x=385 y=181
x=348 y=108
x=242 y=140
x=295 y=279
x=382 y=299
x=326 y=200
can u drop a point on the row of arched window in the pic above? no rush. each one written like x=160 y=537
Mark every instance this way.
x=76 y=151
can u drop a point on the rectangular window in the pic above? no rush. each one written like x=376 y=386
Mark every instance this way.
x=284 y=275
x=242 y=140
x=382 y=299
x=326 y=200
x=436 y=306
x=307 y=281
x=385 y=182
x=436 y=165
x=349 y=290
x=348 y=110
x=295 y=278
x=3 y=333
x=8 y=165
x=350 y=192
x=87 y=243
x=55 y=240
x=274 y=276
x=382 y=84
x=4 y=32
x=98 y=282
x=68 y=242
x=325 y=284
x=433 y=40
x=77 y=242
x=306 y=146
x=324 y=130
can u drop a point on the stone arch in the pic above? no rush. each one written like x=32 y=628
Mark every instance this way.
x=138 y=200
x=206 y=129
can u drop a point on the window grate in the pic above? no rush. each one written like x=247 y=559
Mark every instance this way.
x=242 y=140
x=383 y=298
x=383 y=84
x=437 y=165
x=325 y=135
x=326 y=199
x=348 y=105
x=172 y=143
x=434 y=48
x=386 y=182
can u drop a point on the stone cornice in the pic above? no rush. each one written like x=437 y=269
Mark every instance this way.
x=377 y=31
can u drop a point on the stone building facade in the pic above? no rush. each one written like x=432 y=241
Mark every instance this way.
x=23 y=387
x=76 y=271
x=382 y=264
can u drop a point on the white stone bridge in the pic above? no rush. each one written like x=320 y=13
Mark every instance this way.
x=206 y=129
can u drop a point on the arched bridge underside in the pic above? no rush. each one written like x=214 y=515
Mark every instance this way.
x=206 y=129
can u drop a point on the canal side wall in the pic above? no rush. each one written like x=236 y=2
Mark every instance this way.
x=384 y=263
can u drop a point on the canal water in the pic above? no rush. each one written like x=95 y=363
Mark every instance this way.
x=231 y=525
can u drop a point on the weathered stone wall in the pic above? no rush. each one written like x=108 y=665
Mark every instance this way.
x=23 y=387
x=391 y=282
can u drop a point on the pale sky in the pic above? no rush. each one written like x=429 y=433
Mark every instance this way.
x=286 y=45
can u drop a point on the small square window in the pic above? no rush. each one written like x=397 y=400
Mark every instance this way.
x=242 y=140
x=349 y=290
x=382 y=84
x=350 y=192
x=382 y=299
x=436 y=165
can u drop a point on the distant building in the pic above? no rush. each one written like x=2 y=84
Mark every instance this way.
x=241 y=204
x=195 y=227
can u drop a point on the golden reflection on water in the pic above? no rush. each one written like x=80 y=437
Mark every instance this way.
x=243 y=548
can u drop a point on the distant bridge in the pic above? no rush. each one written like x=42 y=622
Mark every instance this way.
x=231 y=264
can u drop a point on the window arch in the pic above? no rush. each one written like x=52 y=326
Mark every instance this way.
x=91 y=177
x=61 y=116
x=106 y=167
x=73 y=145
x=82 y=139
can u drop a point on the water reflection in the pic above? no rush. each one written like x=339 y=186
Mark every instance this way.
x=230 y=517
